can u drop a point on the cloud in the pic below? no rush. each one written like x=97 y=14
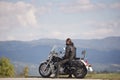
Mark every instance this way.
x=23 y=21
x=83 y=1
x=91 y=29
x=20 y=14
x=20 y=19
x=115 y=5
x=84 y=30
x=14 y=14
x=103 y=29
x=79 y=6
x=15 y=17
x=86 y=5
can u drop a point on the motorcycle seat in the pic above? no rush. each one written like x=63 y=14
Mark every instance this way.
x=77 y=58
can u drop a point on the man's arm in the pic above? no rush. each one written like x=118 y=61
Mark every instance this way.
x=67 y=51
x=73 y=53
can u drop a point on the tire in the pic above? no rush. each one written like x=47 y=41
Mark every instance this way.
x=80 y=72
x=44 y=72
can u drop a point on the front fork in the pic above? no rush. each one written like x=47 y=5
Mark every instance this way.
x=48 y=64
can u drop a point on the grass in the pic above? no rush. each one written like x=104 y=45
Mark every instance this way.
x=110 y=76
x=104 y=76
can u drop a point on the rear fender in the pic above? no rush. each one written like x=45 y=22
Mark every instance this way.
x=88 y=66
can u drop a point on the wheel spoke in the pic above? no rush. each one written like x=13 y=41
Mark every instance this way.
x=44 y=70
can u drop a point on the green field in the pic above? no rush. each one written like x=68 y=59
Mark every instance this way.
x=104 y=76
x=110 y=76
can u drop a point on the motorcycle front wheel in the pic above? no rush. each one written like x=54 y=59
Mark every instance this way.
x=44 y=70
x=80 y=72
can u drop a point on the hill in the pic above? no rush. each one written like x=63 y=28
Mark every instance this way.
x=104 y=53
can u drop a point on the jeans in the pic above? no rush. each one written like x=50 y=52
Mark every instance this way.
x=59 y=65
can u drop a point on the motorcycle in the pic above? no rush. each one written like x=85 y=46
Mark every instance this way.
x=77 y=67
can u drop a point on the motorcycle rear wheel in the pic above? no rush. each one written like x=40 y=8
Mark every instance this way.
x=44 y=70
x=80 y=72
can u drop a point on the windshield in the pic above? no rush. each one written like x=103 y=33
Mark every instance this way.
x=58 y=49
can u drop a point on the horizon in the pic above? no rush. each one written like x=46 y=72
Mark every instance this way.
x=26 y=20
x=62 y=39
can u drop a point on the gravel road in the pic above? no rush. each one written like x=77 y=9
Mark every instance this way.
x=44 y=79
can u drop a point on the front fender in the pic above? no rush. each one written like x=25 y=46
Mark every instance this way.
x=43 y=62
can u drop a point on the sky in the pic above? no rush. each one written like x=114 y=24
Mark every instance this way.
x=27 y=20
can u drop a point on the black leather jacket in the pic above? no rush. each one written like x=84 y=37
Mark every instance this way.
x=70 y=52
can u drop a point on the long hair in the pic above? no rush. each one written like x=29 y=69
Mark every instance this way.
x=70 y=41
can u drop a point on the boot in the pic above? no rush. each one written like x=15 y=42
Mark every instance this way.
x=57 y=72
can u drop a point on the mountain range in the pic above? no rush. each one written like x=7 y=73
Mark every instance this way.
x=103 y=54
